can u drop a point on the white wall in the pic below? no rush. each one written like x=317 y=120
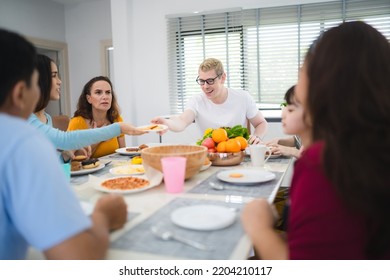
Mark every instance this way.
x=42 y=19
x=87 y=24
x=82 y=26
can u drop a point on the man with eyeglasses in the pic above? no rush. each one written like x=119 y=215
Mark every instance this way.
x=218 y=106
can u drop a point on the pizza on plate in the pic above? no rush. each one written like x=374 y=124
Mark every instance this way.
x=125 y=183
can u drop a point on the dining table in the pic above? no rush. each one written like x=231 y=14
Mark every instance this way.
x=151 y=231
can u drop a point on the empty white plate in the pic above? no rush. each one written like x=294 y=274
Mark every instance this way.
x=203 y=217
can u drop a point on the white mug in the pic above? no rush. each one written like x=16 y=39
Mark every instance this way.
x=258 y=152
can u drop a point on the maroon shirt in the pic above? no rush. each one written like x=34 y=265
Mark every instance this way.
x=319 y=224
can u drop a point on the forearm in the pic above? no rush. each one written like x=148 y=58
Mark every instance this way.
x=290 y=151
x=287 y=142
x=89 y=244
x=99 y=234
x=295 y=152
x=258 y=219
x=121 y=141
x=72 y=140
x=176 y=124
x=270 y=245
x=261 y=129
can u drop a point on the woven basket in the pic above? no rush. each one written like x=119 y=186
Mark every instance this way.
x=196 y=156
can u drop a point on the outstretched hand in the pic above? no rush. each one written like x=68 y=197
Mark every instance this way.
x=130 y=129
x=159 y=120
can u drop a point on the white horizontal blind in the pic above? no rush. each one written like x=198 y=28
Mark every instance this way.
x=261 y=49
x=270 y=54
x=191 y=39
x=314 y=20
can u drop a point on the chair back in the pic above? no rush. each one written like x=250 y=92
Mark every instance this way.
x=61 y=122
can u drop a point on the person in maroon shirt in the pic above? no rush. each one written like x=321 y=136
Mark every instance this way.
x=341 y=185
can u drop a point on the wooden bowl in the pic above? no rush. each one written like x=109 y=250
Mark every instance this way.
x=226 y=159
x=196 y=156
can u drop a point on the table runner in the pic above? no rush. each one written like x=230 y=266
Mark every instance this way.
x=281 y=159
x=141 y=239
x=256 y=190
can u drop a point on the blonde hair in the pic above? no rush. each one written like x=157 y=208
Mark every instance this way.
x=212 y=64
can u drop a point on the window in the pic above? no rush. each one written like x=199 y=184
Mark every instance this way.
x=261 y=49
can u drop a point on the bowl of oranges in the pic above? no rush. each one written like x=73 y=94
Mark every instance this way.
x=226 y=146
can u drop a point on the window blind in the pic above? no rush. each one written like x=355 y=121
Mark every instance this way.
x=261 y=49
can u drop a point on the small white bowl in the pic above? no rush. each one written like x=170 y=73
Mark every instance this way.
x=130 y=169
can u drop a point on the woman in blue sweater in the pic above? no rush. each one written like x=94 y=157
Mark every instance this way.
x=50 y=85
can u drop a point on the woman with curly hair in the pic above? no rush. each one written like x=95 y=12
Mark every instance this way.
x=97 y=107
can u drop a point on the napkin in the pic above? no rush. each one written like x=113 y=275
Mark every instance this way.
x=153 y=175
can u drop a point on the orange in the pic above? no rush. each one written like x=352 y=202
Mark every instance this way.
x=221 y=147
x=233 y=146
x=242 y=141
x=219 y=135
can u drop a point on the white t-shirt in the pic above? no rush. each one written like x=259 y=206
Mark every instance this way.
x=237 y=108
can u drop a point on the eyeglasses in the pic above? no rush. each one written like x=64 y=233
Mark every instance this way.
x=208 y=81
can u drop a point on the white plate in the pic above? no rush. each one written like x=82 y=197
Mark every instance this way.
x=123 y=151
x=159 y=128
x=87 y=171
x=203 y=217
x=249 y=176
x=149 y=186
x=204 y=167
x=272 y=156
x=129 y=169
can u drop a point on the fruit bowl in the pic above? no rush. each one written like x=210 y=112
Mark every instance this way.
x=196 y=156
x=226 y=159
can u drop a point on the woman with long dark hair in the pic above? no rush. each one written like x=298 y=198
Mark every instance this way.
x=341 y=185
